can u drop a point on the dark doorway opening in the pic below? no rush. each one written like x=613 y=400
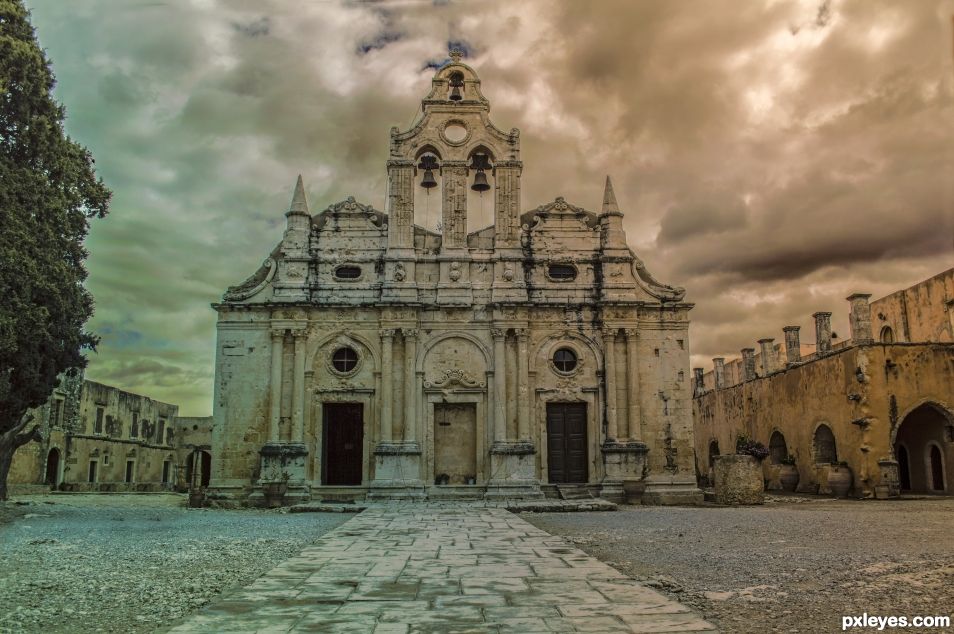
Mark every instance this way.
x=904 y=468
x=129 y=470
x=566 y=443
x=205 y=460
x=342 y=444
x=937 y=469
x=53 y=467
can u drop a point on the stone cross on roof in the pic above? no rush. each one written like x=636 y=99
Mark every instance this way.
x=456 y=54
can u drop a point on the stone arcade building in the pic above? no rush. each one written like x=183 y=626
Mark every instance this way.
x=372 y=356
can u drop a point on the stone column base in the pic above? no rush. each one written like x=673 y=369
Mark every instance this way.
x=671 y=490
x=623 y=462
x=397 y=472
x=512 y=471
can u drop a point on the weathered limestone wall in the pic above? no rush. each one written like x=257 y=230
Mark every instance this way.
x=863 y=393
x=923 y=312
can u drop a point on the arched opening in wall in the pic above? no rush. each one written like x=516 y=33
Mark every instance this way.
x=778 y=449
x=53 y=467
x=823 y=446
x=481 y=184
x=887 y=335
x=904 y=468
x=428 y=186
x=713 y=452
x=922 y=449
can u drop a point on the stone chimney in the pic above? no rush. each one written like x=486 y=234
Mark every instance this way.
x=748 y=364
x=767 y=349
x=793 y=345
x=822 y=333
x=700 y=382
x=718 y=372
x=859 y=319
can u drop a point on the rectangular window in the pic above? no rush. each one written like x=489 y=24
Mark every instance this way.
x=100 y=412
x=56 y=413
x=130 y=465
x=92 y=471
x=162 y=432
x=169 y=436
x=134 y=430
x=166 y=466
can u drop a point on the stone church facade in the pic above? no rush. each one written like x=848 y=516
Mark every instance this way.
x=373 y=356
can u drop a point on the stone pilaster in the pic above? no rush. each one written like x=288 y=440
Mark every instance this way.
x=633 y=422
x=410 y=385
x=523 y=386
x=387 y=386
x=454 y=206
x=500 y=385
x=400 y=204
x=275 y=385
x=609 y=381
x=298 y=387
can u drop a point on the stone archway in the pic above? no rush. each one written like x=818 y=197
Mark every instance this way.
x=923 y=448
x=53 y=468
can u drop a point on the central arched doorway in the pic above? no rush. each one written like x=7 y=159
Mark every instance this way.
x=923 y=450
x=53 y=467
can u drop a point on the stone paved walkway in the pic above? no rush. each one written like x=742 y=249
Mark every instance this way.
x=415 y=568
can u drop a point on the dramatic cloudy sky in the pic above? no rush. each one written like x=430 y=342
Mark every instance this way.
x=772 y=157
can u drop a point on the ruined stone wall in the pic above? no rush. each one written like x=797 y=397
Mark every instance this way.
x=862 y=393
x=923 y=312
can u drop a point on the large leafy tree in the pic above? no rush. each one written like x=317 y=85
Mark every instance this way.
x=48 y=194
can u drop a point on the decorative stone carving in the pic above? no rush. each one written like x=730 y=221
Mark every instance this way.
x=455 y=377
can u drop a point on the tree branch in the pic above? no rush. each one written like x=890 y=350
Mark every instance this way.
x=21 y=439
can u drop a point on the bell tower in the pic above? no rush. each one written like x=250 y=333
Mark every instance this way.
x=453 y=137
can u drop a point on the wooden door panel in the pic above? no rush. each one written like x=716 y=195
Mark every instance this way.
x=566 y=443
x=342 y=449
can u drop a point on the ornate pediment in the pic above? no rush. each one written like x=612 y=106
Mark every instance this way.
x=351 y=207
x=653 y=286
x=455 y=377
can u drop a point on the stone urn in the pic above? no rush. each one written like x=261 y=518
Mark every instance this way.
x=839 y=480
x=196 y=498
x=738 y=480
x=788 y=477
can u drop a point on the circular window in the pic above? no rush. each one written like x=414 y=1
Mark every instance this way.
x=564 y=360
x=344 y=359
x=455 y=133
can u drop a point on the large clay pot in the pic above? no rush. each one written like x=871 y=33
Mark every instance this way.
x=738 y=480
x=839 y=480
x=274 y=494
x=788 y=477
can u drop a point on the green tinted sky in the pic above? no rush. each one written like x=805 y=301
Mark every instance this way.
x=771 y=157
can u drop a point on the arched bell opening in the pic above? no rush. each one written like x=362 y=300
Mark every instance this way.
x=455 y=86
x=428 y=187
x=481 y=186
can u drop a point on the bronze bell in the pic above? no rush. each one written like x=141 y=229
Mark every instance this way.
x=455 y=94
x=428 y=181
x=480 y=182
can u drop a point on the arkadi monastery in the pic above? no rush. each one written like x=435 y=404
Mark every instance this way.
x=372 y=356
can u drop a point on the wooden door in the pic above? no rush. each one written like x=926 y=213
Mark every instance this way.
x=566 y=443
x=342 y=446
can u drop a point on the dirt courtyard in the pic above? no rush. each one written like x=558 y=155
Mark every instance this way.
x=792 y=565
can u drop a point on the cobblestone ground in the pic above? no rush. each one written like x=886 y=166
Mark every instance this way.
x=442 y=569
x=792 y=565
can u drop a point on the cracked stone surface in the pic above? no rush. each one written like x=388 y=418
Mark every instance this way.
x=415 y=569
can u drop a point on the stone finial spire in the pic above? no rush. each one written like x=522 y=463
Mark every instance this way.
x=609 y=198
x=298 y=203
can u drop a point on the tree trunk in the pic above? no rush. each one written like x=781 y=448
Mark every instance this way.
x=10 y=441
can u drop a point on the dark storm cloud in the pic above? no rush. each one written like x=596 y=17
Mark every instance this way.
x=772 y=157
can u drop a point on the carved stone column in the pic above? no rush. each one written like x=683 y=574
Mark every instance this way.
x=609 y=354
x=410 y=385
x=633 y=422
x=400 y=204
x=387 y=384
x=523 y=386
x=454 y=208
x=275 y=384
x=507 y=204
x=500 y=385
x=298 y=388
